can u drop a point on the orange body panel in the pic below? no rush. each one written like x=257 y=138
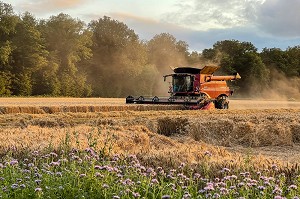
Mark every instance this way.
x=214 y=88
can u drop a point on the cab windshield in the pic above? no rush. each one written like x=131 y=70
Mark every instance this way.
x=182 y=83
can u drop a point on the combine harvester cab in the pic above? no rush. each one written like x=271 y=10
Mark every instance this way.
x=194 y=88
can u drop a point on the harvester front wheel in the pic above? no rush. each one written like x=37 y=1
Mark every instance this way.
x=222 y=103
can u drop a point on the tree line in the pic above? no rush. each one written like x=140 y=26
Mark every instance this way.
x=63 y=56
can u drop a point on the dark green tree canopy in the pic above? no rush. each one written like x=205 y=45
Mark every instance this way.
x=242 y=57
x=63 y=56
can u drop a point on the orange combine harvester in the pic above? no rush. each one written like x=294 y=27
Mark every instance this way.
x=194 y=88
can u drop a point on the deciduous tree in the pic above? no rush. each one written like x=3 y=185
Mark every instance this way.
x=68 y=43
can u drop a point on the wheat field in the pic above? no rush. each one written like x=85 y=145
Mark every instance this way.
x=266 y=132
x=58 y=105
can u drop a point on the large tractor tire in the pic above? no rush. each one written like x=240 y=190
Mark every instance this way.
x=222 y=103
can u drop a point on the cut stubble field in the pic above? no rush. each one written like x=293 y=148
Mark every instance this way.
x=104 y=148
x=263 y=131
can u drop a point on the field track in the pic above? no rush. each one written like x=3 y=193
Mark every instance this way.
x=55 y=105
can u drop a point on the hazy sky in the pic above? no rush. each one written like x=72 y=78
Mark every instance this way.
x=201 y=23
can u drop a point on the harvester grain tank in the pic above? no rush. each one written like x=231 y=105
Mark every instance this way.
x=194 y=88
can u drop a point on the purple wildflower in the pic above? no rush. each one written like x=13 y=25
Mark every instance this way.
x=26 y=171
x=14 y=186
x=267 y=183
x=136 y=195
x=97 y=174
x=55 y=163
x=197 y=176
x=166 y=197
x=159 y=168
x=13 y=162
x=38 y=181
x=37 y=175
x=154 y=181
x=225 y=170
x=181 y=175
x=90 y=151
x=277 y=197
x=38 y=189
x=98 y=167
x=143 y=168
x=227 y=178
x=127 y=182
x=234 y=177
x=186 y=195
x=30 y=165
x=293 y=187
x=201 y=191
x=277 y=190
x=116 y=157
x=209 y=187
x=22 y=186
x=224 y=191
x=105 y=186
x=271 y=179
x=150 y=171
x=82 y=175
x=232 y=187
x=170 y=177
x=53 y=154
x=258 y=173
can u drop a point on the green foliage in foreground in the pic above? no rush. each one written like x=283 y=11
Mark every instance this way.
x=85 y=174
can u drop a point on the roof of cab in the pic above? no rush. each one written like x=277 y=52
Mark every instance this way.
x=205 y=70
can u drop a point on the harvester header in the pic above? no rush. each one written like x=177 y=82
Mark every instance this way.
x=195 y=88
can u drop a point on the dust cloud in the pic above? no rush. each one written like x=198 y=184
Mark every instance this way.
x=282 y=87
x=166 y=66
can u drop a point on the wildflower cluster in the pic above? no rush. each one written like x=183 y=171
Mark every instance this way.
x=84 y=174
